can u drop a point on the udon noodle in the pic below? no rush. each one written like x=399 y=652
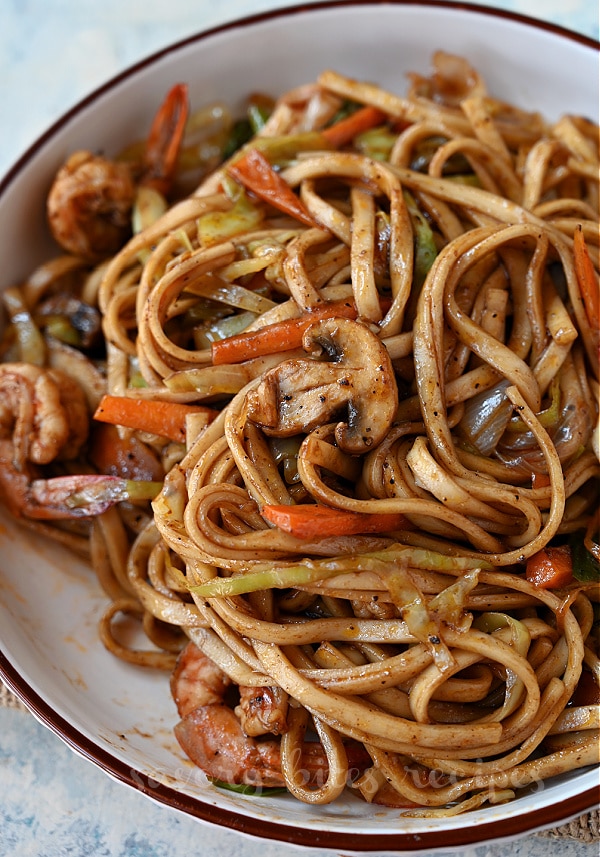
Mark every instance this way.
x=400 y=372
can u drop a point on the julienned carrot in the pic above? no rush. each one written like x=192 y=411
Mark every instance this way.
x=255 y=172
x=550 y=568
x=540 y=480
x=347 y=129
x=279 y=336
x=311 y=521
x=587 y=278
x=166 y=419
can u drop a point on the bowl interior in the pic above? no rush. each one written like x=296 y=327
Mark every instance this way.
x=122 y=716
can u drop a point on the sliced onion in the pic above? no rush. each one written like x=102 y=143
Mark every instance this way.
x=486 y=417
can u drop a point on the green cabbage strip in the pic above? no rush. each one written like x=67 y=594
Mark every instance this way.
x=271 y=576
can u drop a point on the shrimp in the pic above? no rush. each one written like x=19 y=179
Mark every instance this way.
x=210 y=733
x=262 y=710
x=197 y=681
x=44 y=419
x=212 y=736
x=43 y=414
x=90 y=203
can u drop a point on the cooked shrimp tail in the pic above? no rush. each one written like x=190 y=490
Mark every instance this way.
x=90 y=204
x=44 y=419
x=213 y=738
x=85 y=495
x=263 y=710
x=164 y=140
x=216 y=736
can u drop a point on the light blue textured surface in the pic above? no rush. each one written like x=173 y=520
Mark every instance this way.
x=95 y=40
x=53 y=802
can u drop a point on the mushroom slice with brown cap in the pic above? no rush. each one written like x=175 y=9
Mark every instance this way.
x=357 y=378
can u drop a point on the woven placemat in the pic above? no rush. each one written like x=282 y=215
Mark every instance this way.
x=586 y=828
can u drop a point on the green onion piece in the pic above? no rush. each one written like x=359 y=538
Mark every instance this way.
x=257 y=117
x=548 y=417
x=244 y=789
x=586 y=568
x=241 y=132
x=425 y=248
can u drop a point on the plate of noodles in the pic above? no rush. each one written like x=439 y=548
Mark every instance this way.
x=300 y=426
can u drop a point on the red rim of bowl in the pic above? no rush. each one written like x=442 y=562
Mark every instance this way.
x=543 y=817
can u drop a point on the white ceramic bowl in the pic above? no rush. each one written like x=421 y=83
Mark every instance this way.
x=119 y=716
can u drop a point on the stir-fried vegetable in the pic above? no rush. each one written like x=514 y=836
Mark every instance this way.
x=166 y=419
x=341 y=133
x=425 y=248
x=390 y=560
x=311 y=521
x=271 y=577
x=587 y=279
x=31 y=342
x=87 y=495
x=254 y=171
x=376 y=143
x=245 y=789
x=276 y=337
x=586 y=568
x=518 y=638
x=551 y=568
x=216 y=226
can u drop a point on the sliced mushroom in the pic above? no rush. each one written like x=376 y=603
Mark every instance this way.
x=84 y=321
x=358 y=379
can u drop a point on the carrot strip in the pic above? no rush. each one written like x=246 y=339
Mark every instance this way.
x=279 y=336
x=255 y=172
x=540 y=480
x=166 y=419
x=550 y=568
x=587 y=279
x=348 y=128
x=311 y=521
